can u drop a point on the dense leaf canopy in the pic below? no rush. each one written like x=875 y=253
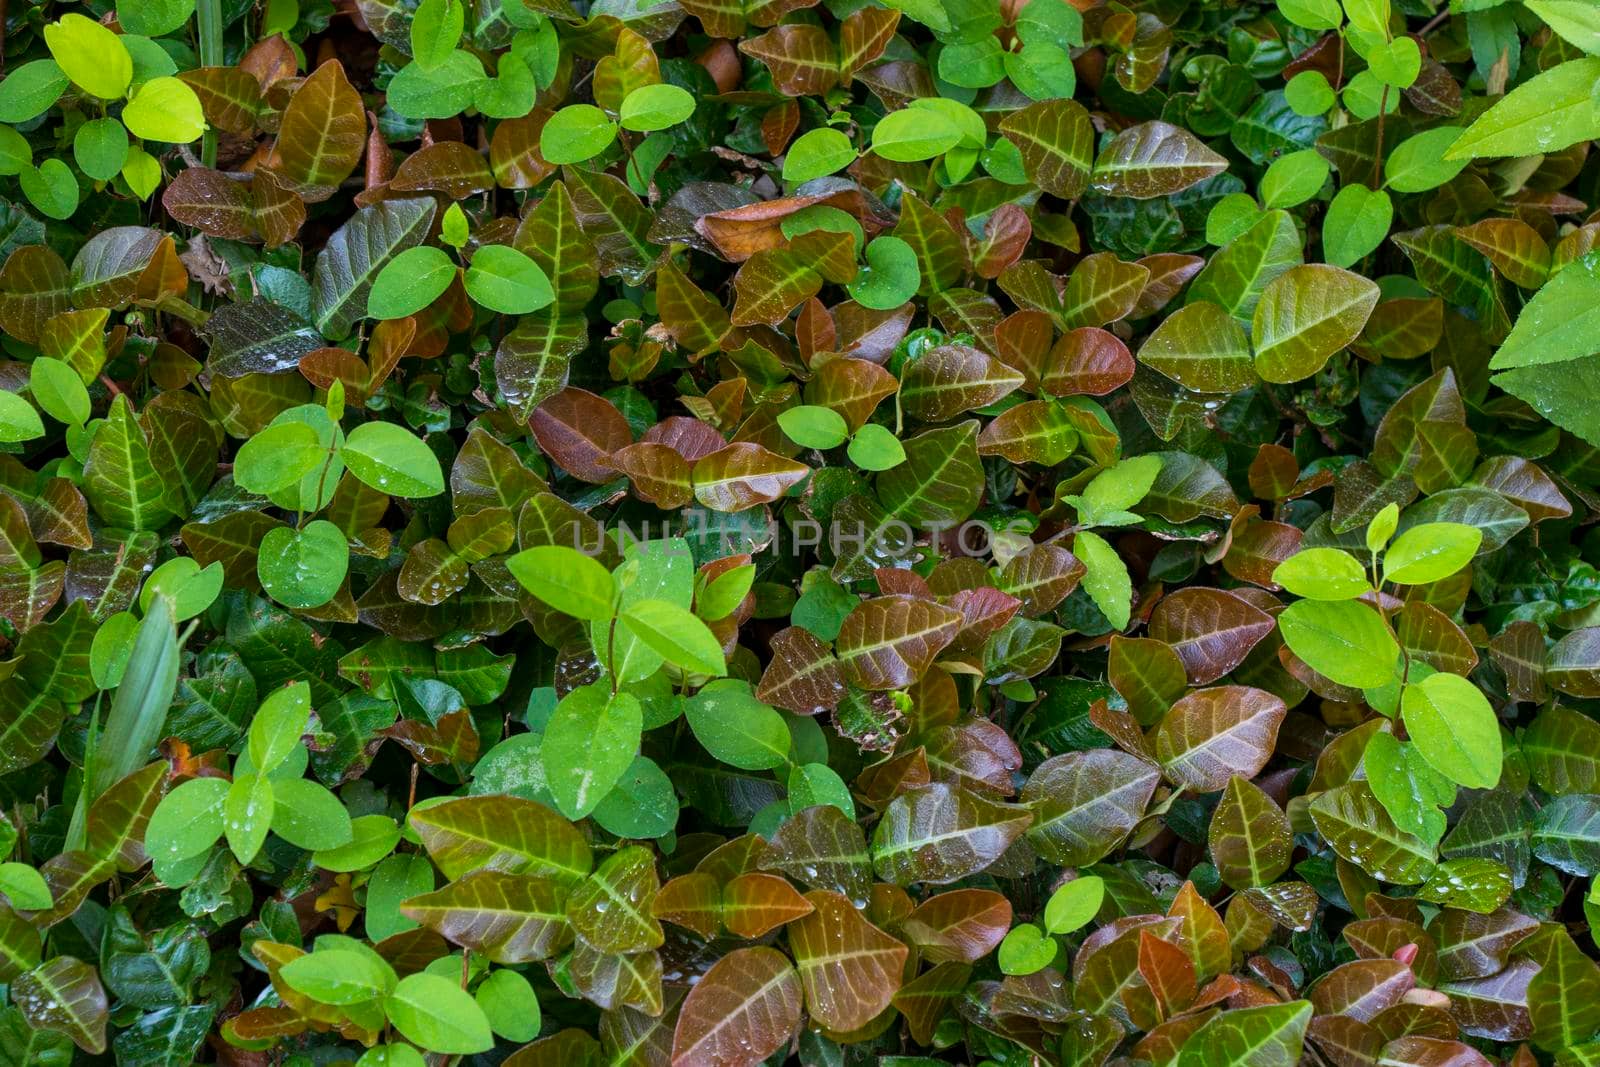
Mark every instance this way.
x=708 y=533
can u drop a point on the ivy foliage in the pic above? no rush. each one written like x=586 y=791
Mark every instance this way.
x=702 y=533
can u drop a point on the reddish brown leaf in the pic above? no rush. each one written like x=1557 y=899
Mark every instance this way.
x=803 y=676
x=1211 y=630
x=963 y=925
x=889 y=642
x=743 y=475
x=742 y=1010
x=849 y=968
x=580 y=431
x=1213 y=734
x=753 y=904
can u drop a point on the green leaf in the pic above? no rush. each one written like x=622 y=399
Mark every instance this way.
x=1295 y=178
x=24 y=887
x=303 y=568
x=1358 y=220
x=59 y=390
x=575 y=133
x=510 y=1005
x=1312 y=14
x=247 y=815
x=188 y=820
x=736 y=728
x=1075 y=904
x=101 y=148
x=392 y=460
x=153 y=18
x=1342 y=640
x=278 y=457
x=91 y=55
x=438 y=1015
x=19 y=421
x=435 y=29
x=1431 y=551
x=677 y=635
x=1322 y=574
x=308 y=816
x=278 y=725
x=51 y=188
x=1576 y=20
x=504 y=280
x=655 y=107
x=891 y=276
x=372 y=837
x=814 y=426
x=1026 y=949
x=1550 y=111
x=589 y=743
x=27 y=91
x=1108 y=496
x=1369 y=16
x=567 y=580
x=876 y=448
x=1382 y=527
x=1419 y=163
x=1556 y=325
x=817 y=153
x=340 y=976
x=410 y=282
x=15 y=152
x=1409 y=789
x=165 y=109
x=911 y=135
x=1105 y=579
x=1454 y=729
x=441 y=93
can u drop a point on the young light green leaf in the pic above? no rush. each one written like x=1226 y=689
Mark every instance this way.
x=1454 y=729
x=1431 y=551
x=736 y=728
x=278 y=725
x=567 y=580
x=1075 y=904
x=410 y=282
x=655 y=107
x=1105 y=578
x=1343 y=640
x=575 y=133
x=392 y=460
x=817 y=153
x=676 y=635
x=505 y=280
x=1550 y=111
x=589 y=743
x=1322 y=574
x=439 y=1016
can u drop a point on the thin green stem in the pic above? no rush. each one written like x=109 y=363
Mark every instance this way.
x=208 y=17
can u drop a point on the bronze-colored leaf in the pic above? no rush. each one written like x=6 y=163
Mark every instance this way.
x=849 y=968
x=746 y=1007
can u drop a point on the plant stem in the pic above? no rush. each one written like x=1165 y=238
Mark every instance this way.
x=208 y=17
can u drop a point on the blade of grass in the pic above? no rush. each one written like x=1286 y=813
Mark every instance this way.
x=138 y=712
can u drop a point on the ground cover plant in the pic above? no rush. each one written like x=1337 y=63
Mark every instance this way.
x=694 y=533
